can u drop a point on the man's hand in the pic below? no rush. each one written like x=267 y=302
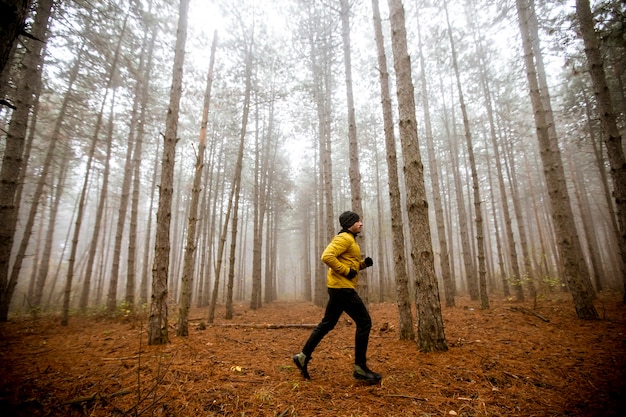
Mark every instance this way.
x=351 y=274
x=368 y=262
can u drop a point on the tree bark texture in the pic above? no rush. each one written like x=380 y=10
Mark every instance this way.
x=576 y=273
x=611 y=132
x=480 y=285
x=12 y=16
x=430 y=334
x=13 y=162
x=135 y=167
x=157 y=322
x=403 y=299
x=353 y=147
x=446 y=274
x=192 y=235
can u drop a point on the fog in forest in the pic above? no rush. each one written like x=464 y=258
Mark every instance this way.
x=275 y=161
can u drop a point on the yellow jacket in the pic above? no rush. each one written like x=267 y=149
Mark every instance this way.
x=341 y=254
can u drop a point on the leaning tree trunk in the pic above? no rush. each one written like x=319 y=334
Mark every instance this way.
x=220 y=255
x=403 y=300
x=157 y=324
x=586 y=217
x=192 y=236
x=13 y=15
x=126 y=186
x=135 y=166
x=576 y=273
x=430 y=335
x=612 y=136
x=233 y=205
x=83 y=194
x=13 y=162
x=42 y=274
x=99 y=217
x=604 y=180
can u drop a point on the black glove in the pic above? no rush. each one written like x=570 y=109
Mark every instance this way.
x=351 y=274
x=369 y=262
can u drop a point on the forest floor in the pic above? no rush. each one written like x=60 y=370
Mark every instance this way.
x=510 y=360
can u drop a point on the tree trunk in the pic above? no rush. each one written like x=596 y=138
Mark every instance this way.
x=466 y=249
x=590 y=230
x=576 y=273
x=496 y=226
x=353 y=149
x=269 y=162
x=54 y=138
x=430 y=333
x=381 y=268
x=157 y=324
x=192 y=235
x=13 y=160
x=321 y=53
x=237 y=187
x=135 y=167
x=132 y=146
x=446 y=274
x=257 y=219
x=607 y=194
x=13 y=14
x=46 y=255
x=403 y=299
x=99 y=215
x=516 y=278
x=613 y=138
x=233 y=203
x=306 y=250
x=480 y=241
x=145 y=273
x=83 y=194
x=13 y=163
x=220 y=256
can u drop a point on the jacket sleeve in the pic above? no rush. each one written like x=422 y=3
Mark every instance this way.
x=335 y=248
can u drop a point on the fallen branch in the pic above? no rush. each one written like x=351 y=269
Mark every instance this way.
x=525 y=310
x=96 y=396
x=264 y=326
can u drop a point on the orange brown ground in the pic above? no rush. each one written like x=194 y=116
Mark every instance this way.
x=505 y=361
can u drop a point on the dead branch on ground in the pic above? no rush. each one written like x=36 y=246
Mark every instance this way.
x=527 y=311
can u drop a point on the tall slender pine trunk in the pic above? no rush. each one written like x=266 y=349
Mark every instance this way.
x=403 y=298
x=192 y=236
x=575 y=270
x=157 y=322
x=612 y=135
x=430 y=334
x=13 y=161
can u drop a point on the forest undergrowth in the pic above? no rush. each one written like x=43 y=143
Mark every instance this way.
x=510 y=360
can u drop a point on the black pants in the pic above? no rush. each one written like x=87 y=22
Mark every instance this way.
x=348 y=300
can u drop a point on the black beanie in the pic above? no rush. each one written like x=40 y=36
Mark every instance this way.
x=347 y=219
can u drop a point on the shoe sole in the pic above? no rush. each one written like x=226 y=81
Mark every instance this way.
x=367 y=380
